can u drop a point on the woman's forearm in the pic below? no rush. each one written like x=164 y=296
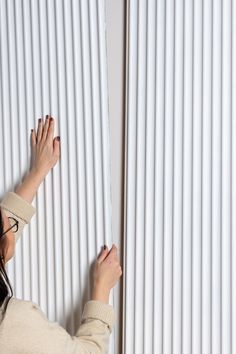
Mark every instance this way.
x=29 y=187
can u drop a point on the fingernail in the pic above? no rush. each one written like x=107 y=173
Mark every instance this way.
x=32 y=130
x=51 y=119
x=58 y=138
x=47 y=116
x=40 y=120
x=104 y=247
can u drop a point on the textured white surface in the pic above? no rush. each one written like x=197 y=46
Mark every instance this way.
x=180 y=245
x=53 y=61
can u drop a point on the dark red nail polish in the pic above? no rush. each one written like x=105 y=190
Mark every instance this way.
x=51 y=119
x=40 y=120
x=47 y=116
x=32 y=130
x=104 y=247
x=58 y=138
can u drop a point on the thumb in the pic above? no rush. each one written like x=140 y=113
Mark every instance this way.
x=102 y=254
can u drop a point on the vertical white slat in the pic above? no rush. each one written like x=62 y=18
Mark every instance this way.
x=140 y=177
x=168 y=177
x=197 y=180
x=233 y=179
x=56 y=203
x=65 y=221
x=71 y=156
x=104 y=126
x=159 y=179
x=97 y=128
x=14 y=107
x=53 y=61
x=131 y=126
x=29 y=113
x=80 y=160
x=38 y=107
x=106 y=144
x=194 y=249
x=149 y=176
x=48 y=211
x=216 y=176
x=89 y=148
x=206 y=176
x=226 y=177
x=187 y=177
x=6 y=111
x=178 y=178
x=22 y=128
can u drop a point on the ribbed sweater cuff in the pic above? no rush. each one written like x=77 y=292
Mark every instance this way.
x=99 y=310
x=18 y=206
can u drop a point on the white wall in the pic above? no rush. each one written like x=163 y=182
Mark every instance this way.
x=53 y=61
x=179 y=280
x=180 y=178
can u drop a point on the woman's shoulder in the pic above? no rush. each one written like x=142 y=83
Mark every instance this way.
x=22 y=310
x=15 y=303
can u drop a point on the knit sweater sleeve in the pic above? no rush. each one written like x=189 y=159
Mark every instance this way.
x=27 y=330
x=15 y=206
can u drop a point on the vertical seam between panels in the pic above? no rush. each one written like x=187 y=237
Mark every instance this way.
x=84 y=115
x=92 y=119
x=101 y=130
x=221 y=179
x=83 y=120
x=18 y=132
x=75 y=135
x=154 y=172
x=163 y=216
x=211 y=212
x=46 y=283
x=33 y=104
x=126 y=154
x=145 y=174
x=231 y=159
x=59 y=110
x=173 y=175
x=136 y=167
x=192 y=138
x=182 y=221
x=27 y=125
x=201 y=161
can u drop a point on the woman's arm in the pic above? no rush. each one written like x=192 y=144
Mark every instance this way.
x=45 y=151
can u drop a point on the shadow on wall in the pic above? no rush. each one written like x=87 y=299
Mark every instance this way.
x=75 y=315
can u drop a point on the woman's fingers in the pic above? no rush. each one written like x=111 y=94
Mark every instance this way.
x=33 y=138
x=45 y=128
x=56 y=146
x=40 y=130
x=113 y=251
x=50 y=132
x=102 y=255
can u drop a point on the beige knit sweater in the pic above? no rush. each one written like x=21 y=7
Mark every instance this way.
x=25 y=328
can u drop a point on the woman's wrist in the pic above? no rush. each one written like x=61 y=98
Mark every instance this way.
x=99 y=293
x=29 y=187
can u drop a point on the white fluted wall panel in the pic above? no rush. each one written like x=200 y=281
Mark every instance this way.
x=53 y=61
x=180 y=250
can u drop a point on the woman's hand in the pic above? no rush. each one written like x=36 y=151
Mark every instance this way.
x=106 y=274
x=44 y=155
x=45 y=148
